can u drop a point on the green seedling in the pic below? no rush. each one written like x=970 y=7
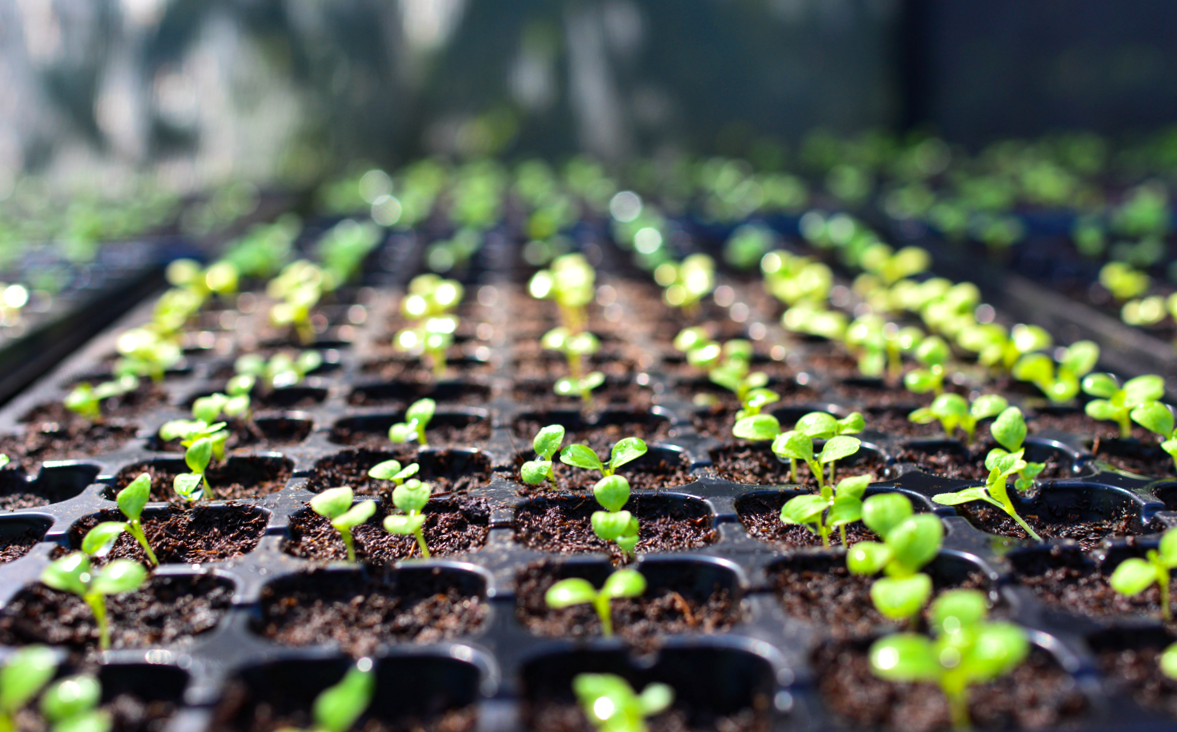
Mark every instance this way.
x=335 y=505
x=71 y=705
x=611 y=704
x=1000 y=349
x=579 y=591
x=1059 y=382
x=909 y=543
x=280 y=370
x=1116 y=403
x=615 y=524
x=812 y=426
x=1134 y=576
x=431 y=338
x=881 y=345
x=797 y=445
x=25 y=674
x=794 y=280
x=72 y=573
x=571 y=282
x=146 y=352
x=1158 y=418
x=836 y=507
x=392 y=470
x=1168 y=661
x=626 y=450
x=686 y=283
x=131 y=500
x=575 y=347
x=967 y=649
x=1124 y=281
x=410 y=497
x=953 y=411
x=86 y=400
x=932 y=353
x=338 y=707
x=191 y=431
x=815 y=320
x=995 y=491
x=547 y=443
x=580 y=387
x=417 y=418
x=1009 y=429
x=298 y=288
x=192 y=486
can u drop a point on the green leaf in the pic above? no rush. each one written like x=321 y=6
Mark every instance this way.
x=793 y=444
x=839 y=447
x=1080 y=358
x=934 y=351
x=1133 y=576
x=1168 y=662
x=1028 y=338
x=987 y=405
x=179 y=429
x=689 y=339
x=208 y=408
x=100 y=540
x=916 y=541
x=548 y=440
x=69 y=574
x=132 y=499
x=852 y=423
x=760 y=398
x=757 y=427
x=401 y=524
x=1100 y=385
x=899 y=598
x=1155 y=417
x=950 y=405
x=803 y=510
x=923 y=415
x=332 y=502
x=355 y=516
x=581 y=456
x=625 y=451
x=655 y=699
x=612 y=492
x=624 y=583
x=959 y=609
x=921 y=381
x=818 y=425
x=402 y=432
x=1167 y=550
x=199 y=454
x=967 y=495
x=1009 y=429
x=240 y=385
x=854 y=486
x=412 y=495
x=25 y=674
x=1143 y=389
x=610 y=526
x=338 y=707
x=1101 y=409
x=121 y=575
x=421 y=411
x=867 y=557
x=569 y=592
x=70 y=697
x=189 y=486
x=535 y=472
x=1035 y=368
x=884 y=511
x=998 y=648
x=591 y=381
x=905 y=657
x=845 y=510
x=386 y=470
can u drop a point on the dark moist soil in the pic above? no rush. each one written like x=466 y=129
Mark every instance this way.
x=1137 y=671
x=600 y=438
x=870 y=397
x=538 y=395
x=652 y=474
x=447 y=472
x=1077 y=422
x=197 y=535
x=269 y=432
x=167 y=610
x=1036 y=695
x=403 y=369
x=361 y=613
x=756 y=464
x=15 y=547
x=451 y=527
x=672 y=609
x=1071 y=583
x=1142 y=458
x=556 y=717
x=147 y=398
x=564 y=525
x=16 y=492
x=820 y=590
x=439 y=434
x=895 y=424
x=401 y=393
x=761 y=516
x=238 y=713
x=613 y=360
x=74 y=440
x=1054 y=523
x=238 y=479
x=950 y=460
x=128 y=713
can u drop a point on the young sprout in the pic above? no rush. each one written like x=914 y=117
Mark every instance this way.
x=999 y=348
x=881 y=345
x=298 y=288
x=131 y=500
x=611 y=704
x=952 y=411
x=281 y=370
x=1116 y=403
x=968 y=649
x=614 y=524
x=1124 y=281
x=417 y=418
x=797 y=444
x=146 y=352
x=685 y=284
x=574 y=346
x=335 y=505
x=410 y=497
x=932 y=353
x=86 y=400
x=571 y=282
x=580 y=387
x=836 y=507
x=191 y=431
x=625 y=451
x=338 y=707
x=546 y=443
x=1134 y=576
x=1158 y=418
x=72 y=573
x=1059 y=382
x=71 y=705
x=579 y=591
x=1009 y=429
x=27 y=671
x=392 y=470
x=815 y=320
x=191 y=486
x=995 y=491
x=909 y=543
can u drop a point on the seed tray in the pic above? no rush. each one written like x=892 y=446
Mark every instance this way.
x=497 y=672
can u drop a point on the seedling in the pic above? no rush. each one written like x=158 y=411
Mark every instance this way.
x=614 y=524
x=1116 y=403
x=1000 y=349
x=335 y=505
x=836 y=507
x=813 y=319
x=995 y=491
x=338 y=707
x=71 y=705
x=298 y=288
x=626 y=450
x=571 y=282
x=281 y=370
x=909 y=543
x=146 y=352
x=582 y=387
x=131 y=500
x=579 y=591
x=431 y=338
x=27 y=671
x=1009 y=429
x=968 y=649
x=392 y=470
x=1168 y=661
x=574 y=347
x=1134 y=576
x=1158 y=418
x=880 y=345
x=685 y=284
x=953 y=410
x=1124 y=281
x=410 y=497
x=932 y=353
x=611 y=704
x=1062 y=383
x=191 y=431
x=191 y=486
x=86 y=400
x=546 y=443
x=72 y=573
x=417 y=418
x=815 y=425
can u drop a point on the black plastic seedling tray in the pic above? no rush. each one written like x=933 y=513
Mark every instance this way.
x=486 y=660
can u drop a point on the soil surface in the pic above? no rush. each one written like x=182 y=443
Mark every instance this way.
x=239 y=478
x=761 y=516
x=402 y=393
x=15 y=547
x=756 y=464
x=555 y=717
x=266 y=432
x=1072 y=583
x=650 y=473
x=239 y=713
x=954 y=460
x=1136 y=671
x=72 y=441
x=601 y=437
x=1036 y=695
x=563 y=524
x=539 y=396
x=146 y=398
x=361 y=613
x=443 y=431
x=180 y=535
x=16 y=492
x=895 y=424
x=451 y=527
x=1063 y=522
x=406 y=369
x=128 y=712
x=166 y=611
x=862 y=396
x=446 y=471
x=1142 y=458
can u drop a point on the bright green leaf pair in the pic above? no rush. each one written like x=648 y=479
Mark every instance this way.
x=546 y=443
x=626 y=450
x=909 y=543
x=953 y=411
x=579 y=591
x=995 y=491
x=417 y=418
x=1116 y=403
x=832 y=509
x=131 y=501
x=611 y=704
x=615 y=524
x=1134 y=576
x=335 y=504
x=73 y=573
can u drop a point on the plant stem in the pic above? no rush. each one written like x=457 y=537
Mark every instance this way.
x=97 y=605
x=601 y=603
x=1125 y=426
x=792 y=470
x=137 y=531
x=421 y=436
x=349 y=543
x=420 y=534
x=586 y=396
x=842 y=530
x=1014 y=515
x=833 y=467
x=1163 y=582
x=958 y=708
x=574 y=367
